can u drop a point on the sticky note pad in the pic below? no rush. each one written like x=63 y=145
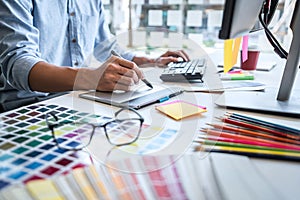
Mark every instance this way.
x=180 y=109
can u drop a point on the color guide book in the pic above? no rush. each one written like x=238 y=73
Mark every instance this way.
x=244 y=135
x=28 y=151
x=170 y=181
x=157 y=177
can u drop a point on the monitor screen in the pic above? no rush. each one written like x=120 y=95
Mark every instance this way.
x=239 y=18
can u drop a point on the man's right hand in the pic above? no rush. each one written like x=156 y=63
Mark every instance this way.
x=115 y=74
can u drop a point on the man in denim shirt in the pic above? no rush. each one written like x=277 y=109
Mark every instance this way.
x=44 y=43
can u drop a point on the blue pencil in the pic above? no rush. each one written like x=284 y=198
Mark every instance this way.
x=265 y=123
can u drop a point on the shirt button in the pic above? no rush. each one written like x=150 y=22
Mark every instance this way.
x=76 y=63
x=74 y=40
x=72 y=14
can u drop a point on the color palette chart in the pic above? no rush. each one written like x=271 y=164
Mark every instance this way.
x=27 y=149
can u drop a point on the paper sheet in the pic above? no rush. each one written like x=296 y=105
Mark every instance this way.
x=156 y=2
x=174 y=18
x=175 y=1
x=214 y=18
x=155 y=18
x=194 y=18
x=195 y=2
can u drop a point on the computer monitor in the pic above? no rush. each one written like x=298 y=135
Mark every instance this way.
x=239 y=18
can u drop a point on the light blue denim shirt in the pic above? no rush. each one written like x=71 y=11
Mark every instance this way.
x=60 y=32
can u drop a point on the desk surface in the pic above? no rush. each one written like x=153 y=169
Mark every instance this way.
x=283 y=176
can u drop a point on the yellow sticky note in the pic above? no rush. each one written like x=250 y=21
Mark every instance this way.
x=228 y=57
x=180 y=109
x=231 y=50
x=236 y=48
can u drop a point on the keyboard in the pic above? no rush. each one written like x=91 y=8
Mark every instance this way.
x=184 y=71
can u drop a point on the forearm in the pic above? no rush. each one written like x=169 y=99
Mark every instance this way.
x=114 y=74
x=45 y=77
x=140 y=61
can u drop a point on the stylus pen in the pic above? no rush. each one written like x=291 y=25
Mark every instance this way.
x=144 y=80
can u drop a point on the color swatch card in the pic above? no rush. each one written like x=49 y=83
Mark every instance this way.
x=180 y=109
x=27 y=148
x=152 y=139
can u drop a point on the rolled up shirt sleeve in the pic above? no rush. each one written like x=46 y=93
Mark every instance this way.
x=60 y=32
x=19 y=39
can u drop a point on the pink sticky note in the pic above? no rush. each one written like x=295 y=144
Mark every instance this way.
x=245 y=48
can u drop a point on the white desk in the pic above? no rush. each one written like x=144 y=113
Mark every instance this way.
x=283 y=176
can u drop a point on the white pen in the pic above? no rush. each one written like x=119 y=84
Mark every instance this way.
x=144 y=80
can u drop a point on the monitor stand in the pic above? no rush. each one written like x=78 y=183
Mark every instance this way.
x=264 y=102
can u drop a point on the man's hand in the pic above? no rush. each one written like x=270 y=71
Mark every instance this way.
x=172 y=56
x=117 y=74
x=163 y=60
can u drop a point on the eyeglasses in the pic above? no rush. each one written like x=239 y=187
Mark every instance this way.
x=121 y=130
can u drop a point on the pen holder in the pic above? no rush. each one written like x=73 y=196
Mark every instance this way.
x=251 y=62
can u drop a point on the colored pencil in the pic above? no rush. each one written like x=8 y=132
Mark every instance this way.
x=259 y=128
x=241 y=141
x=243 y=135
x=224 y=134
x=264 y=123
x=233 y=144
x=239 y=130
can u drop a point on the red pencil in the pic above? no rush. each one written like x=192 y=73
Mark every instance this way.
x=253 y=133
x=220 y=133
